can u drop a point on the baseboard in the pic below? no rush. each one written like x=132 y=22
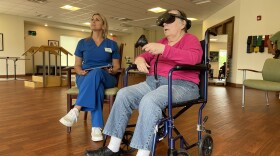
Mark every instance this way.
x=234 y=85
x=12 y=76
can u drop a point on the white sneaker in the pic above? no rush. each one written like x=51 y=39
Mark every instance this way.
x=70 y=118
x=96 y=134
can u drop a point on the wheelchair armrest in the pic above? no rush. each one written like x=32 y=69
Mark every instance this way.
x=191 y=67
x=251 y=70
x=130 y=67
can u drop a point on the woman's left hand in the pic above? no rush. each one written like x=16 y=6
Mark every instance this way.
x=154 y=48
x=110 y=70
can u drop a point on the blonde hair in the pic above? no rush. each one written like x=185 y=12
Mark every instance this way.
x=105 y=24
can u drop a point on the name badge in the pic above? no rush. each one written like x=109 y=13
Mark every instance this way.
x=108 y=50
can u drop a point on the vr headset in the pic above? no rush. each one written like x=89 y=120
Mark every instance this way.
x=170 y=18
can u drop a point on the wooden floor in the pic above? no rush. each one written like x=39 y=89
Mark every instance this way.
x=29 y=123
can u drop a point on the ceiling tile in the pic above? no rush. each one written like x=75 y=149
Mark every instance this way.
x=131 y=9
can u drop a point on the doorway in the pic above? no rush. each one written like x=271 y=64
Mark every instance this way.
x=225 y=28
x=218 y=59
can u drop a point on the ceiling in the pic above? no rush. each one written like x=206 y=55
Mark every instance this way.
x=122 y=15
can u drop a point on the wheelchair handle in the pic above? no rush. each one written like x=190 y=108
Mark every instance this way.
x=130 y=67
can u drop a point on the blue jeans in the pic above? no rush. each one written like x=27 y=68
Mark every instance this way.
x=91 y=93
x=150 y=98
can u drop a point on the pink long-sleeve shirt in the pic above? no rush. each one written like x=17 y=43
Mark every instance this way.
x=187 y=51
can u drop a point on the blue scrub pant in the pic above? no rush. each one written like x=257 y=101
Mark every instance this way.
x=91 y=93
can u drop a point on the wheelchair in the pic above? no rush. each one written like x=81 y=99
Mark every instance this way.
x=165 y=126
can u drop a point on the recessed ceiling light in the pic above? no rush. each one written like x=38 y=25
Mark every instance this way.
x=46 y=24
x=157 y=10
x=213 y=39
x=43 y=16
x=192 y=19
x=69 y=7
x=200 y=1
x=86 y=23
x=38 y=1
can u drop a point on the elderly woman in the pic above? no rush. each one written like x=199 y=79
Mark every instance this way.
x=95 y=51
x=150 y=97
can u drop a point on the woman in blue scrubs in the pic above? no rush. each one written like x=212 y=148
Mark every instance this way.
x=93 y=52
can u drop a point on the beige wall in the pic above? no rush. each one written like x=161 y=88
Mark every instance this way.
x=43 y=35
x=196 y=30
x=245 y=13
x=12 y=28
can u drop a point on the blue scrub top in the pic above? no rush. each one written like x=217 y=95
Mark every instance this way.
x=95 y=56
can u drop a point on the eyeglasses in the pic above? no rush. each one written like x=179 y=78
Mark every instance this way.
x=168 y=18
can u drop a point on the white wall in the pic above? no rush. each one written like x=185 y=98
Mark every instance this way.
x=246 y=24
x=12 y=28
x=269 y=10
x=70 y=44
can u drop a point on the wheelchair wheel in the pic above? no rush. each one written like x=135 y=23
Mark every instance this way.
x=182 y=152
x=205 y=145
x=125 y=148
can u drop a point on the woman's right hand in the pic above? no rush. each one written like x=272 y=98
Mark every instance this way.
x=82 y=72
x=142 y=65
x=78 y=66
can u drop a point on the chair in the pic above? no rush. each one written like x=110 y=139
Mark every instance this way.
x=110 y=93
x=222 y=72
x=270 y=82
x=165 y=126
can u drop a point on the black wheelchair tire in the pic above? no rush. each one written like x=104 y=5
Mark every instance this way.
x=205 y=145
x=125 y=148
x=182 y=152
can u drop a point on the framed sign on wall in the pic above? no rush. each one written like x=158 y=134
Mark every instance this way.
x=214 y=56
x=53 y=43
x=1 y=42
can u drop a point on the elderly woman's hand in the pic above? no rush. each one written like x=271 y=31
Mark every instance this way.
x=154 y=48
x=142 y=65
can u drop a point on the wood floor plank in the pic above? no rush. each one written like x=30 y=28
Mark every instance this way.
x=29 y=123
